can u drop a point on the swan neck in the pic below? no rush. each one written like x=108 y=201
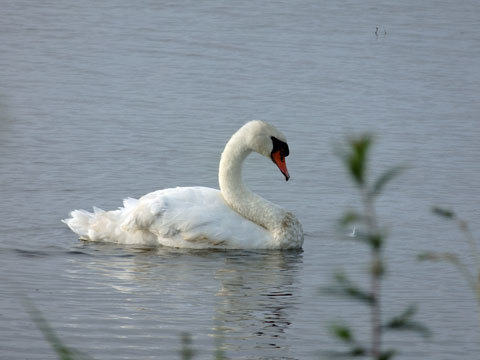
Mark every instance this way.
x=230 y=171
x=236 y=194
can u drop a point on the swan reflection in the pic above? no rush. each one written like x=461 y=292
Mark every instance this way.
x=244 y=300
x=256 y=300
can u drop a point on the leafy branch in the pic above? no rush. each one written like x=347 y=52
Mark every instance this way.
x=355 y=156
x=472 y=277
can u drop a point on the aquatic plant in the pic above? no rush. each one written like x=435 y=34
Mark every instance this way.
x=366 y=230
x=63 y=351
x=187 y=351
x=472 y=277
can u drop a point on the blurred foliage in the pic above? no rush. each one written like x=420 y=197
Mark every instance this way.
x=449 y=214
x=472 y=276
x=63 y=351
x=186 y=352
x=404 y=321
x=345 y=334
x=346 y=288
x=355 y=157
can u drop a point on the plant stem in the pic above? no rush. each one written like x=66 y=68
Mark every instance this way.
x=376 y=312
x=473 y=245
x=463 y=225
x=375 y=282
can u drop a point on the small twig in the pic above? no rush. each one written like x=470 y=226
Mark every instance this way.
x=463 y=225
x=375 y=279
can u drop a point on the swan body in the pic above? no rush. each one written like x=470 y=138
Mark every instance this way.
x=199 y=217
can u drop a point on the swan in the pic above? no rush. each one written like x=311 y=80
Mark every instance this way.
x=199 y=217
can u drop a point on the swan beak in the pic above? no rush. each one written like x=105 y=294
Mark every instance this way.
x=279 y=160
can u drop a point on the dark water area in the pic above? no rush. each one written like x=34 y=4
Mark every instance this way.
x=103 y=101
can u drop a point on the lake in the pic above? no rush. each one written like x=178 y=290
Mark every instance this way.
x=100 y=101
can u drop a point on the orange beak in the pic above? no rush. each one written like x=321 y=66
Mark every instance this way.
x=279 y=160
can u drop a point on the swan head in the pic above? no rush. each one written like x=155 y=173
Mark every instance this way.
x=266 y=140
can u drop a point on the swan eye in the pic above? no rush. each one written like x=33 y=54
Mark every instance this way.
x=280 y=146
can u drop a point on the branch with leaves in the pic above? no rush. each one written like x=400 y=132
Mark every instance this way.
x=472 y=277
x=355 y=158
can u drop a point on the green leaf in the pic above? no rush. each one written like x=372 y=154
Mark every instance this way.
x=376 y=241
x=415 y=327
x=436 y=256
x=455 y=261
x=355 y=157
x=358 y=157
x=349 y=218
x=386 y=355
x=405 y=316
x=448 y=214
x=186 y=352
x=358 y=351
x=355 y=351
x=404 y=322
x=343 y=333
x=344 y=287
x=386 y=177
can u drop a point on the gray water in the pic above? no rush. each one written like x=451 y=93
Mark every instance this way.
x=104 y=100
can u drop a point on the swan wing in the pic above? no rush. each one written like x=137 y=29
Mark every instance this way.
x=192 y=217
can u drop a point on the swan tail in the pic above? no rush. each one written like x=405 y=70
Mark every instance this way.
x=97 y=226
x=80 y=221
x=124 y=225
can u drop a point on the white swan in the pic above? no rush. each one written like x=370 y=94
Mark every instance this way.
x=199 y=217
